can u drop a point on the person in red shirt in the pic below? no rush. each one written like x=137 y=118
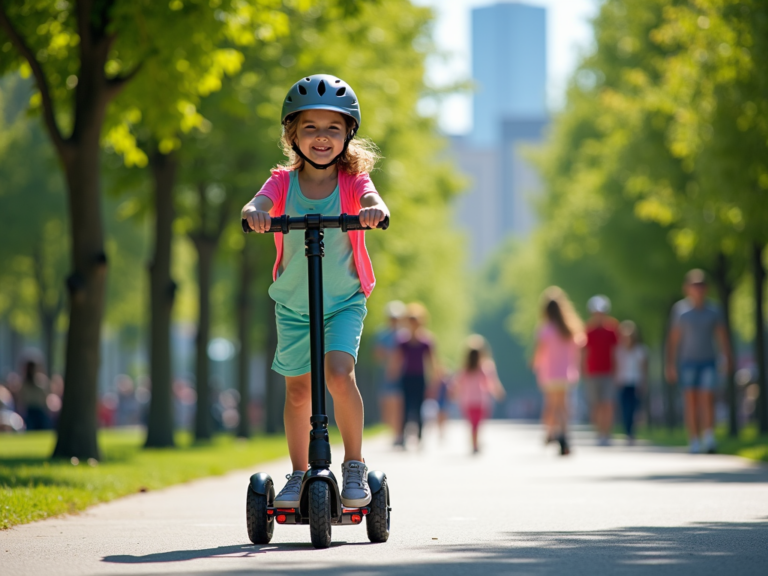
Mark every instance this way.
x=597 y=365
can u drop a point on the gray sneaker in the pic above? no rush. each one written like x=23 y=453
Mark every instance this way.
x=289 y=495
x=354 y=479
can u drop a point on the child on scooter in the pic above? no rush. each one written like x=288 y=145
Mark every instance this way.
x=327 y=173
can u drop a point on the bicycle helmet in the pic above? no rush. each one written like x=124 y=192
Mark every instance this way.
x=322 y=92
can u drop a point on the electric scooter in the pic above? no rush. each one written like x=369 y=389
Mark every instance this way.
x=320 y=501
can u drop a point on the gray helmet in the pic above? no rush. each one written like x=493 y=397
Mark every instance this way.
x=322 y=92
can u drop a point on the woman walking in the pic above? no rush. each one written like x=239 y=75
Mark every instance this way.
x=556 y=361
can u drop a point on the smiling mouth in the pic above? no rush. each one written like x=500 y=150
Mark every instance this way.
x=321 y=148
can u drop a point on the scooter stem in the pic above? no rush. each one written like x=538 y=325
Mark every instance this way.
x=319 y=445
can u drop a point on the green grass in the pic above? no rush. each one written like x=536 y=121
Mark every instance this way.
x=32 y=487
x=749 y=444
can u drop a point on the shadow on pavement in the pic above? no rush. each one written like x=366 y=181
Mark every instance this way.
x=756 y=475
x=234 y=551
x=699 y=549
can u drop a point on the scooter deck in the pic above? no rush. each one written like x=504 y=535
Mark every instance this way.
x=349 y=516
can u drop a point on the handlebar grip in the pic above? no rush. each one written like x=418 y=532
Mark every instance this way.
x=353 y=223
x=279 y=224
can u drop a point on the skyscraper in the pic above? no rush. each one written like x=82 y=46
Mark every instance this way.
x=509 y=68
x=509 y=112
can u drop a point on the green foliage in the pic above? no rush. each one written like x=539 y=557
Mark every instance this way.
x=33 y=219
x=662 y=145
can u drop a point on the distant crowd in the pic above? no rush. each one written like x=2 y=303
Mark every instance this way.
x=610 y=359
x=607 y=356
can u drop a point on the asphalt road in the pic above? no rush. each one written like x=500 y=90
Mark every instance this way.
x=515 y=508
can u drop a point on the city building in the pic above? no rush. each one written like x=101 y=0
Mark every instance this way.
x=509 y=113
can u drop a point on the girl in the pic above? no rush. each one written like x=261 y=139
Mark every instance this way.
x=326 y=173
x=556 y=361
x=477 y=384
x=631 y=373
x=413 y=358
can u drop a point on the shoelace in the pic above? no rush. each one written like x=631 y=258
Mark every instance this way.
x=354 y=474
x=293 y=480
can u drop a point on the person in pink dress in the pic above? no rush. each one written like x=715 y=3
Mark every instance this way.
x=556 y=361
x=477 y=385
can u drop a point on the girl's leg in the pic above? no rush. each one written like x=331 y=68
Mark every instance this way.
x=348 y=404
x=559 y=412
x=298 y=409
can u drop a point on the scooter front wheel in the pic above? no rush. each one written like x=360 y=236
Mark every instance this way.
x=377 y=521
x=320 y=514
x=261 y=525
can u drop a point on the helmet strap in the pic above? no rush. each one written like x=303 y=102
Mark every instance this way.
x=317 y=166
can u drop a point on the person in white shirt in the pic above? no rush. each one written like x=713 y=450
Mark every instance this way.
x=631 y=362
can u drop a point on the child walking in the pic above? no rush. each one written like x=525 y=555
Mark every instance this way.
x=327 y=173
x=477 y=385
x=631 y=374
x=556 y=361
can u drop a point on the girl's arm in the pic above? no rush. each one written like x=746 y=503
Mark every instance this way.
x=496 y=388
x=373 y=210
x=256 y=212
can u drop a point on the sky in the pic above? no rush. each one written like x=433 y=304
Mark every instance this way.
x=569 y=34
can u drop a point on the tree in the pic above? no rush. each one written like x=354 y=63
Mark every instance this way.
x=95 y=48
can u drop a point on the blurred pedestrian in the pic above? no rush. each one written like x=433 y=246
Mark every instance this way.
x=631 y=359
x=386 y=343
x=692 y=359
x=32 y=398
x=443 y=400
x=414 y=360
x=598 y=365
x=477 y=385
x=556 y=361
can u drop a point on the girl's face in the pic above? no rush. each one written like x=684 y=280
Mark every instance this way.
x=320 y=134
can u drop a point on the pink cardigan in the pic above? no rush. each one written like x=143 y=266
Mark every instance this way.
x=352 y=188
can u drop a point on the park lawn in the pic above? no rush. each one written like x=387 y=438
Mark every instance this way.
x=749 y=444
x=32 y=487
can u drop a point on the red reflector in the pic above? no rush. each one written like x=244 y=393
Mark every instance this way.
x=280 y=518
x=270 y=512
x=356 y=518
x=291 y=510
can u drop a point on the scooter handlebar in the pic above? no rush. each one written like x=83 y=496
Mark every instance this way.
x=285 y=224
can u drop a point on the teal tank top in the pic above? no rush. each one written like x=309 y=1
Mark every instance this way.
x=341 y=285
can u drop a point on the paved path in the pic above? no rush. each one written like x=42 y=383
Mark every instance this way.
x=516 y=508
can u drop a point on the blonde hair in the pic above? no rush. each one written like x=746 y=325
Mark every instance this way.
x=418 y=312
x=558 y=309
x=360 y=156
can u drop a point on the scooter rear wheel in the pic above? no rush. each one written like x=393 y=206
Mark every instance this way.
x=261 y=526
x=377 y=521
x=320 y=514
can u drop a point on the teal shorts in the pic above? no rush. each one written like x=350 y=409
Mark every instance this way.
x=343 y=329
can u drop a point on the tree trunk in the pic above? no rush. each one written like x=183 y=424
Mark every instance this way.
x=275 y=390
x=759 y=278
x=725 y=290
x=206 y=248
x=86 y=284
x=244 y=330
x=160 y=424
